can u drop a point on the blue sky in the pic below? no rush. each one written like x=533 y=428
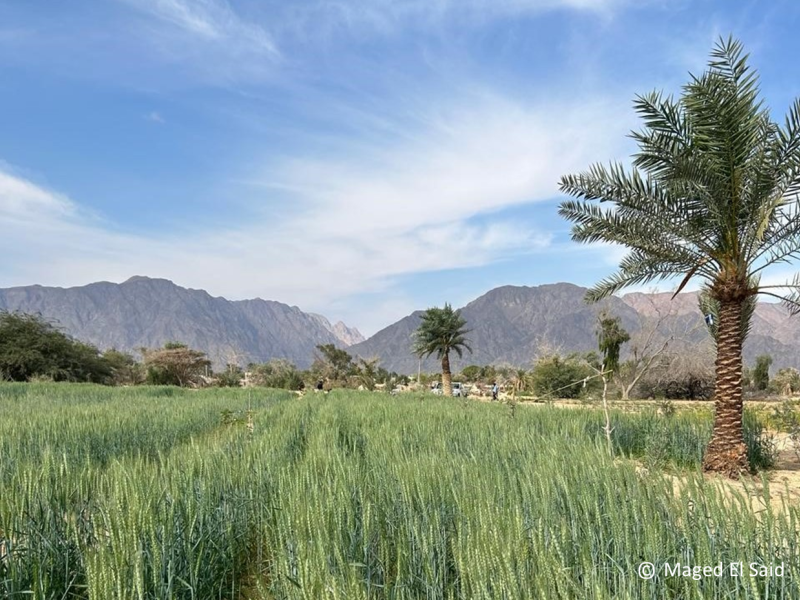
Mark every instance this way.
x=357 y=158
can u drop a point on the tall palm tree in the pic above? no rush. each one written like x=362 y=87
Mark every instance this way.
x=712 y=194
x=440 y=332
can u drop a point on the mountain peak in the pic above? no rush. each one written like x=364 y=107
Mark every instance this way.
x=145 y=279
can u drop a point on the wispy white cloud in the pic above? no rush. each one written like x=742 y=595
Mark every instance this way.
x=158 y=44
x=481 y=154
x=198 y=18
x=387 y=15
x=211 y=20
x=155 y=117
x=22 y=202
x=209 y=40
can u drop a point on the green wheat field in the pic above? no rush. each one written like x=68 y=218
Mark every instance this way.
x=155 y=493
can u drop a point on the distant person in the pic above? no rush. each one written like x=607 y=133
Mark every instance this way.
x=495 y=389
x=319 y=385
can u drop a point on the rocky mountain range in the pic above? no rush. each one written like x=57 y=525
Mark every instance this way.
x=144 y=312
x=510 y=325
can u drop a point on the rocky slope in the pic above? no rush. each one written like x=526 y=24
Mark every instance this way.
x=144 y=312
x=512 y=325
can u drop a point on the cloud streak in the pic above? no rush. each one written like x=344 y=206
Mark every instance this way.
x=385 y=16
x=210 y=20
x=212 y=42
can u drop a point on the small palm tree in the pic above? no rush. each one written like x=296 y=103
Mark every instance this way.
x=713 y=195
x=519 y=380
x=442 y=331
x=367 y=372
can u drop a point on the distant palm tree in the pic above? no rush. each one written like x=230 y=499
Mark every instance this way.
x=442 y=331
x=367 y=372
x=519 y=380
x=718 y=200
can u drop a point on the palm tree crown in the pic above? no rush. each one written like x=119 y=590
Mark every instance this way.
x=712 y=194
x=719 y=199
x=441 y=330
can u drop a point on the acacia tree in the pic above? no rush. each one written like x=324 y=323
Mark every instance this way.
x=367 y=373
x=712 y=194
x=646 y=347
x=441 y=332
x=610 y=337
x=335 y=364
x=175 y=364
x=518 y=379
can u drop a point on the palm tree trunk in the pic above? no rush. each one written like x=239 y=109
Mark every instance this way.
x=447 y=377
x=608 y=429
x=726 y=452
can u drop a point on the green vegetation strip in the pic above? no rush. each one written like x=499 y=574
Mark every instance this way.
x=355 y=495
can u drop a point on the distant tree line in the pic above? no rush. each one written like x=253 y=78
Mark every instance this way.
x=32 y=348
x=653 y=369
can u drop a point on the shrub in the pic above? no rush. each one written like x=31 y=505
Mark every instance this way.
x=761 y=371
x=277 y=373
x=686 y=387
x=786 y=382
x=560 y=377
x=175 y=364
x=684 y=376
x=31 y=347
x=230 y=377
x=125 y=370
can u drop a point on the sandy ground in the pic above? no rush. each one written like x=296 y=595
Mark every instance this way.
x=783 y=480
x=634 y=404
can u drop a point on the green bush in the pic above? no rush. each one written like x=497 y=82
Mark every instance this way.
x=677 y=386
x=786 y=382
x=760 y=372
x=277 y=373
x=31 y=347
x=557 y=377
x=176 y=364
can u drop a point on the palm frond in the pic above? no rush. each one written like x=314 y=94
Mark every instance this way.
x=713 y=191
x=790 y=299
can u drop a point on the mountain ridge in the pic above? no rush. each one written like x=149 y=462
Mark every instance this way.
x=510 y=325
x=147 y=312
